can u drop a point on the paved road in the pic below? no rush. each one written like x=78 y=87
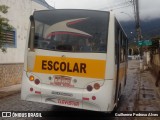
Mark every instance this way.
x=135 y=97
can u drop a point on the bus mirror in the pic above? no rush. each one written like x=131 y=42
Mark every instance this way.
x=32 y=33
x=31 y=18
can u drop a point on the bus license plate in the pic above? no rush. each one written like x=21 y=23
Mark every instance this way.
x=62 y=81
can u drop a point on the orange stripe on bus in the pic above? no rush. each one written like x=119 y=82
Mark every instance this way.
x=80 y=67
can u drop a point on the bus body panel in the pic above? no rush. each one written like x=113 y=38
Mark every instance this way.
x=26 y=90
x=70 y=97
x=111 y=49
x=105 y=93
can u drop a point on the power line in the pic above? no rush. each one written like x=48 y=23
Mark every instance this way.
x=121 y=7
x=117 y=6
x=110 y=4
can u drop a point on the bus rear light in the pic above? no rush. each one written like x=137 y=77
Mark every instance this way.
x=93 y=97
x=84 y=98
x=37 y=92
x=89 y=88
x=36 y=81
x=96 y=86
x=31 y=89
x=31 y=78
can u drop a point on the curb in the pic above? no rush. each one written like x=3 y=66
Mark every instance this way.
x=10 y=90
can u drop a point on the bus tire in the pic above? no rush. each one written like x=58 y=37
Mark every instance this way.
x=119 y=93
x=115 y=108
x=118 y=100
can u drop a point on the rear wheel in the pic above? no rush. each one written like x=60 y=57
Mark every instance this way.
x=119 y=93
x=119 y=96
x=118 y=100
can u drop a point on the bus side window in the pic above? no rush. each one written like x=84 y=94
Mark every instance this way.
x=116 y=43
x=117 y=52
x=121 y=55
x=120 y=45
x=122 y=48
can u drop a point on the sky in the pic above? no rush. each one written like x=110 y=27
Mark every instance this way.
x=123 y=9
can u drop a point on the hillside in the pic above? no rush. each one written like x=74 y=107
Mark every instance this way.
x=150 y=28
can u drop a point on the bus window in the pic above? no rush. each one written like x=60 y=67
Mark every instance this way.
x=72 y=32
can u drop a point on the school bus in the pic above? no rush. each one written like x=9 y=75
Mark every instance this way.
x=75 y=58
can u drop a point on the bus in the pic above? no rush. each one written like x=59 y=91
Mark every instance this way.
x=75 y=58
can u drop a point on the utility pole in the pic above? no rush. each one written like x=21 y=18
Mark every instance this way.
x=138 y=29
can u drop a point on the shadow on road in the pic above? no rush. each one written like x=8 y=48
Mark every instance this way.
x=65 y=113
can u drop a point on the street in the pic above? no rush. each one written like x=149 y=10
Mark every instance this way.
x=140 y=94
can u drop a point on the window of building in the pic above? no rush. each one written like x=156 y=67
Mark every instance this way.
x=9 y=38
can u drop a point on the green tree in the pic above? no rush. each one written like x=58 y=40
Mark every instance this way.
x=4 y=26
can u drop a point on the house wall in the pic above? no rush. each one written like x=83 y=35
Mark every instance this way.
x=11 y=62
x=18 y=15
x=156 y=63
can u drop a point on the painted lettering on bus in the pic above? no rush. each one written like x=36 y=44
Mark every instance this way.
x=63 y=66
x=67 y=102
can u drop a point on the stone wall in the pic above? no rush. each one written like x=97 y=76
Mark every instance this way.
x=10 y=74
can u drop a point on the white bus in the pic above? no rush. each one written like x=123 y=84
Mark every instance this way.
x=75 y=58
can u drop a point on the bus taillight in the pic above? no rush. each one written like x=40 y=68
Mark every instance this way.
x=31 y=78
x=89 y=88
x=37 y=81
x=93 y=97
x=31 y=89
x=96 y=86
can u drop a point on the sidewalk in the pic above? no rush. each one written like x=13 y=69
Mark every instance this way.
x=148 y=96
x=7 y=91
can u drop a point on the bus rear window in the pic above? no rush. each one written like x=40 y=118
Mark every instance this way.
x=71 y=30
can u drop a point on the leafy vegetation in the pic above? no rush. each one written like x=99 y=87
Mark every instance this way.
x=154 y=48
x=4 y=26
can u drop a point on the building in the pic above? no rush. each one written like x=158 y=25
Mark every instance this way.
x=11 y=62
